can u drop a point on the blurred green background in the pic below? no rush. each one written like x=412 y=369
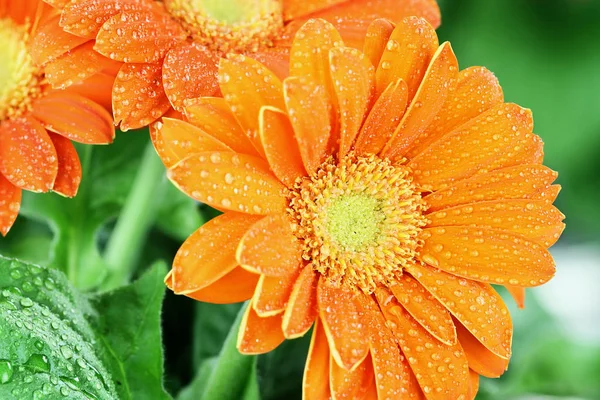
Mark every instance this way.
x=546 y=55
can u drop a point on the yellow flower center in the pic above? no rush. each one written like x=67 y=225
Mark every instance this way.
x=230 y=25
x=19 y=78
x=358 y=220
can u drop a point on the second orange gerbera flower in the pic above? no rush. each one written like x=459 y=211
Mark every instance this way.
x=170 y=49
x=374 y=195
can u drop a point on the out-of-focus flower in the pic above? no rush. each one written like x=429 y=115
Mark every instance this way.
x=38 y=123
x=376 y=195
x=170 y=49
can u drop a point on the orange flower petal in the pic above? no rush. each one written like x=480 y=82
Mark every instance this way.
x=84 y=18
x=517 y=182
x=10 y=203
x=518 y=295
x=477 y=91
x=213 y=116
x=294 y=8
x=51 y=41
x=209 y=253
x=138 y=96
x=343 y=324
x=269 y=247
x=423 y=307
x=280 y=145
x=487 y=255
x=407 y=55
x=149 y=36
x=440 y=78
x=77 y=66
x=259 y=335
x=533 y=219
x=386 y=356
x=314 y=386
x=353 y=79
x=376 y=39
x=177 y=140
x=74 y=117
x=384 y=117
x=500 y=137
x=247 y=86
x=276 y=59
x=352 y=384
x=189 y=71
x=445 y=378
x=69 y=168
x=272 y=293
x=309 y=113
x=27 y=156
x=481 y=360
x=473 y=384
x=302 y=306
x=236 y=286
x=476 y=305
x=97 y=88
x=230 y=181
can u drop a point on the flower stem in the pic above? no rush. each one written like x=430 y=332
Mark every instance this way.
x=137 y=216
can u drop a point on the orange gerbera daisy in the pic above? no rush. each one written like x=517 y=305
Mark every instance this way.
x=38 y=123
x=375 y=195
x=170 y=49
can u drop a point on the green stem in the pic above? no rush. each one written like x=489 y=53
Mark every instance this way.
x=230 y=377
x=136 y=218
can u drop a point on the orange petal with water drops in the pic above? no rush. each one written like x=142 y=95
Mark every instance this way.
x=230 y=181
x=293 y=8
x=353 y=79
x=189 y=71
x=481 y=360
x=77 y=66
x=442 y=371
x=440 y=78
x=423 y=307
x=272 y=293
x=548 y=195
x=376 y=39
x=69 y=167
x=301 y=310
x=384 y=117
x=476 y=91
x=97 y=88
x=518 y=294
x=177 y=139
x=50 y=42
x=498 y=138
x=236 y=286
x=476 y=305
x=85 y=18
x=280 y=146
x=209 y=253
x=351 y=384
x=138 y=96
x=533 y=219
x=487 y=255
x=314 y=386
x=408 y=52
x=386 y=355
x=247 y=86
x=10 y=203
x=259 y=335
x=276 y=59
x=517 y=182
x=74 y=117
x=309 y=113
x=138 y=36
x=27 y=156
x=270 y=247
x=213 y=116
x=473 y=384
x=343 y=322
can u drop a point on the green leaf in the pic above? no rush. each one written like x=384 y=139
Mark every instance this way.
x=56 y=343
x=128 y=322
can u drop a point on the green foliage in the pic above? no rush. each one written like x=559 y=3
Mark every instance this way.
x=56 y=343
